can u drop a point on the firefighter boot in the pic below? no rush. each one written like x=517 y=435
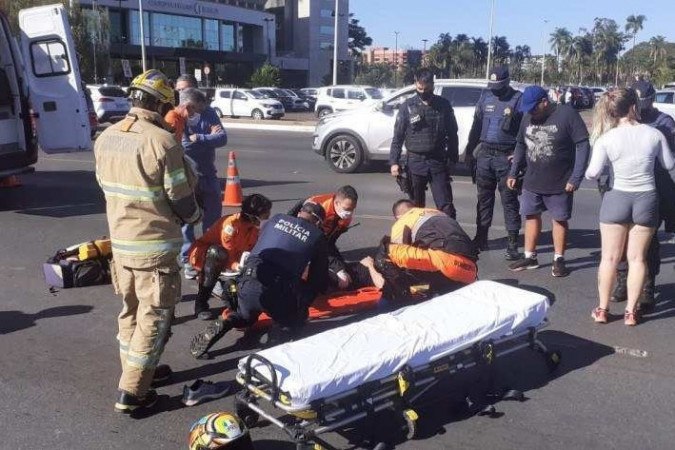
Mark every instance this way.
x=647 y=301
x=511 y=253
x=620 y=292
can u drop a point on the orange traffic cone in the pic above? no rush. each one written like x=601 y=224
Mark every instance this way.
x=232 y=195
x=10 y=182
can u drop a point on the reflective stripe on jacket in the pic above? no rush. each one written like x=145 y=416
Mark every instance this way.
x=148 y=188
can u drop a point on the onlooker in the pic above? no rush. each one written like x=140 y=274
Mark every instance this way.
x=629 y=213
x=553 y=145
x=203 y=134
x=427 y=124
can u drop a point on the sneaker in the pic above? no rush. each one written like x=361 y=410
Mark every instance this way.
x=559 y=269
x=190 y=272
x=202 y=311
x=162 y=374
x=524 y=264
x=630 y=318
x=127 y=403
x=201 y=391
x=599 y=315
x=202 y=342
x=480 y=242
x=647 y=302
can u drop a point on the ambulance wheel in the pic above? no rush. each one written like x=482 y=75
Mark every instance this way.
x=552 y=360
x=410 y=417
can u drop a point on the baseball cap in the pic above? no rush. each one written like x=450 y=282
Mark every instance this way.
x=499 y=78
x=531 y=97
x=315 y=210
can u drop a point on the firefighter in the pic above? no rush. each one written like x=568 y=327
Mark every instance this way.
x=339 y=208
x=149 y=192
x=489 y=151
x=425 y=247
x=286 y=270
x=222 y=246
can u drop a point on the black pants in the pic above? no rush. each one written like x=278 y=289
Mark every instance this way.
x=441 y=190
x=263 y=288
x=492 y=169
x=397 y=282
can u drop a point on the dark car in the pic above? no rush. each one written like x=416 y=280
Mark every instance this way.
x=589 y=97
x=278 y=95
x=308 y=100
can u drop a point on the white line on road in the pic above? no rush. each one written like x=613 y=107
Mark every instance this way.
x=82 y=161
x=633 y=352
x=263 y=127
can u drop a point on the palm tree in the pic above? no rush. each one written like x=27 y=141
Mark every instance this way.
x=634 y=24
x=560 y=41
x=657 y=48
x=581 y=51
x=501 y=49
x=480 y=51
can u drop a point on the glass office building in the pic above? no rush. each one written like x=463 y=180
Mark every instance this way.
x=226 y=38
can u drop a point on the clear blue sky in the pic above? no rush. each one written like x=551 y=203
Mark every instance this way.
x=521 y=21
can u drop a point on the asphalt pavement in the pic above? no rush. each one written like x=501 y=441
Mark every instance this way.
x=60 y=366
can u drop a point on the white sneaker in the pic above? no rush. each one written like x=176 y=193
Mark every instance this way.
x=190 y=272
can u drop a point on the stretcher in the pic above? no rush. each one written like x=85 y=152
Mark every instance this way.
x=328 y=381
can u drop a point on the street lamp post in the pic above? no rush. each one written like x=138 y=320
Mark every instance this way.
x=93 y=43
x=396 y=59
x=335 y=42
x=424 y=52
x=543 y=52
x=384 y=54
x=269 y=41
x=489 y=58
x=142 y=29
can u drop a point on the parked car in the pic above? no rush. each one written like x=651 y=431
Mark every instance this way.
x=310 y=92
x=290 y=103
x=42 y=102
x=341 y=98
x=111 y=102
x=93 y=120
x=349 y=139
x=665 y=96
x=299 y=103
x=597 y=91
x=308 y=100
x=246 y=103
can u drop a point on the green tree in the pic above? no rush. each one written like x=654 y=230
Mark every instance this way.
x=378 y=75
x=358 y=38
x=501 y=50
x=634 y=24
x=608 y=41
x=266 y=75
x=560 y=40
x=657 y=51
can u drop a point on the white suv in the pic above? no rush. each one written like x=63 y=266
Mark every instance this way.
x=111 y=103
x=342 y=98
x=349 y=139
x=246 y=103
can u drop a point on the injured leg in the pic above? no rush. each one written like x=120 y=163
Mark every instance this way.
x=214 y=263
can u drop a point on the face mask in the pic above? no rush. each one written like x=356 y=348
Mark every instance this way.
x=425 y=95
x=344 y=214
x=193 y=120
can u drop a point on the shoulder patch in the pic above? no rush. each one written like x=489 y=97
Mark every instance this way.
x=229 y=230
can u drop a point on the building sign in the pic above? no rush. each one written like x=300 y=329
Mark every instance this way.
x=181 y=64
x=198 y=74
x=179 y=6
x=126 y=68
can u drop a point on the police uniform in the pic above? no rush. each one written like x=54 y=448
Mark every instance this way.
x=430 y=136
x=426 y=247
x=492 y=140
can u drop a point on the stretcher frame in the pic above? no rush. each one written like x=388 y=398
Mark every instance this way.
x=399 y=392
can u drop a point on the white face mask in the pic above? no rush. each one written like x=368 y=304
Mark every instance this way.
x=344 y=214
x=194 y=119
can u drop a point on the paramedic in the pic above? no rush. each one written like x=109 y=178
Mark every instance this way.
x=425 y=247
x=222 y=246
x=273 y=278
x=149 y=192
x=339 y=207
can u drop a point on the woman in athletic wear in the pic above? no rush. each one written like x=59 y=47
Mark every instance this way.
x=629 y=213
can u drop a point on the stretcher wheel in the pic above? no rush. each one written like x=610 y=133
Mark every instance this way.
x=553 y=359
x=410 y=417
x=246 y=414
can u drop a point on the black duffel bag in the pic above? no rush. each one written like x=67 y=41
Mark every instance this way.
x=64 y=271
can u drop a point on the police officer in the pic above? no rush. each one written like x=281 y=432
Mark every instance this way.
x=427 y=125
x=149 y=193
x=665 y=188
x=488 y=155
x=272 y=277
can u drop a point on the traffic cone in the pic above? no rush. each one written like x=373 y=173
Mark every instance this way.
x=10 y=182
x=232 y=195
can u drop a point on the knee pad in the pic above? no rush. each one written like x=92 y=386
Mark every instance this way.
x=216 y=254
x=214 y=263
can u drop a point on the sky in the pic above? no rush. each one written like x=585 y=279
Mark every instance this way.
x=521 y=21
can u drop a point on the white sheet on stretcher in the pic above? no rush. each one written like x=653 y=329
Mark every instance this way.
x=344 y=358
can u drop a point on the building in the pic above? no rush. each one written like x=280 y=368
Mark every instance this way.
x=401 y=58
x=223 y=42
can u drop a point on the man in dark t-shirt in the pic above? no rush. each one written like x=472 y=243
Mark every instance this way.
x=553 y=148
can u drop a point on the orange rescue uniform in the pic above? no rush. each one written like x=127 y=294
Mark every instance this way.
x=403 y=254
x=232 y=233
x=333 y=226
x=176 y=120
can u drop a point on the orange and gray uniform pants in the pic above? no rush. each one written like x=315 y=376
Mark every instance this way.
x=149 y=296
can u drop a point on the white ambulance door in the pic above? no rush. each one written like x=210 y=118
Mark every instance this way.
x=53 y=77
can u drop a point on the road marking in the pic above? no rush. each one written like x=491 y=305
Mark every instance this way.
x=82 y=161
x=633 y=352
x=47 y=208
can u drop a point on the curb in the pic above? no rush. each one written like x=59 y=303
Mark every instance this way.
x=271 y=127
